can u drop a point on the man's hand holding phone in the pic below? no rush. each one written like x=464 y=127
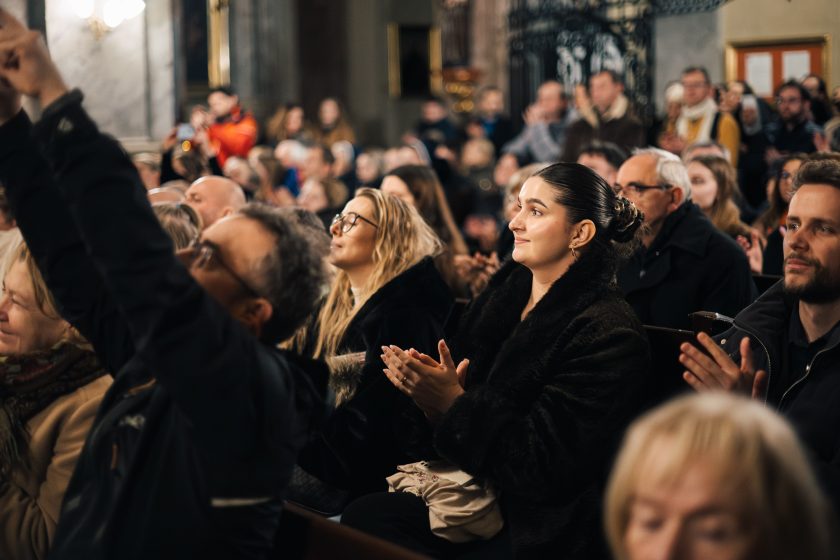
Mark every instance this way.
x=714 y=370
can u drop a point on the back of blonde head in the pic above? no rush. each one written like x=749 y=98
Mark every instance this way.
x=402 y=240
x=753 y=455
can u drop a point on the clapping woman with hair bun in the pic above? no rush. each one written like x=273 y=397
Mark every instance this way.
x=552 y=366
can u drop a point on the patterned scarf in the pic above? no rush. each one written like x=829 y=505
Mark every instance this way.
x=29 y=383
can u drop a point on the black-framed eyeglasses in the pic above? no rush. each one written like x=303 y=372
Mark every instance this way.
x=348 y=221
x=638 y=188
x=202 y=254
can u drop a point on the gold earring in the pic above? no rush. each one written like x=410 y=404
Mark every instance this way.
x=574 y=252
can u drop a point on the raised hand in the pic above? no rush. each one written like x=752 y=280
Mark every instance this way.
x=25 y=62
x=717 y=371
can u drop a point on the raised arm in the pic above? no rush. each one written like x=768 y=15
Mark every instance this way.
x=53 y=239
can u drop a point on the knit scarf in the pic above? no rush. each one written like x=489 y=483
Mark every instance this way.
x=29 y=383
x=705 y=110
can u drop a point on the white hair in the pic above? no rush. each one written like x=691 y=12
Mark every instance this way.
x=670 y=170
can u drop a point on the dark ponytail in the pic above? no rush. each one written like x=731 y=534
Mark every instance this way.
x=587 y=196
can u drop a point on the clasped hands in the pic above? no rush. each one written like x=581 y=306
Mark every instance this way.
x=25 y=67
x=433 y=385
x=715 y=370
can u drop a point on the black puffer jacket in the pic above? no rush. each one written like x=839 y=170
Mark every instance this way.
x=546 y=401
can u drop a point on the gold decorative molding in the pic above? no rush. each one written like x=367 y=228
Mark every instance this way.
x=218 y=59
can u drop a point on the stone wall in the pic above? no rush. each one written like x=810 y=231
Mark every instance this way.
x=686 y=40
x=126 y=75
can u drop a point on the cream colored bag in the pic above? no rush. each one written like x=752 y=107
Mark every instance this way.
x=460 y=509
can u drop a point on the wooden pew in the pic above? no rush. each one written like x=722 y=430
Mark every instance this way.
x=306 y=536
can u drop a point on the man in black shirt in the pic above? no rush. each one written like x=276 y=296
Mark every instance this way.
x=792 y=131
x=785 y=348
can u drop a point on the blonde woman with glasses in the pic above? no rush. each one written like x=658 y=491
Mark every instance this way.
x=387 y=288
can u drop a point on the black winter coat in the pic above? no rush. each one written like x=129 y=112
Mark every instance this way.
x=810 y=400
x=362 y=442
x=547 y=399
x=690 y=266
x=194 y=442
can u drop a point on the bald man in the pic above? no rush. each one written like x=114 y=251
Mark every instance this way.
x=215 y=197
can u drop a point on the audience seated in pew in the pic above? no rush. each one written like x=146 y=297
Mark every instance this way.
x=193 y=445
x=684 y=264
x=715 y=476
x=552 y=365
x=785 y=348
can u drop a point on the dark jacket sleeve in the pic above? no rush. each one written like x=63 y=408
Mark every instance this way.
x=569 y=429
x=54 y=241
x=237 y=395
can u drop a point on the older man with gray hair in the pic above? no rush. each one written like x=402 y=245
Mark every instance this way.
x=684 y=264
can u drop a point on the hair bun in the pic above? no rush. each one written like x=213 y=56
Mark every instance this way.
x=627 y=218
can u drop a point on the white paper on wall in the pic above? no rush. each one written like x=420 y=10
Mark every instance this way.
x=759 y=73
x=795 y=65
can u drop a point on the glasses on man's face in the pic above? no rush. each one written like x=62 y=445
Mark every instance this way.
x=638 y=189
x=205 y=255
x=787 y=100
x=348 y=221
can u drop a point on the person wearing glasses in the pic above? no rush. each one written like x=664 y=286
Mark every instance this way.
x=194 y=443
x=793 y=130
x=684 y=263
x=387 y=291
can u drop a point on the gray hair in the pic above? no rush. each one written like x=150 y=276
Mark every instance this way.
x=290 y=276
x=670 y=170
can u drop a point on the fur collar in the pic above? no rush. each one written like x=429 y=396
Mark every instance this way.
x=491 y=331
x=617 y=110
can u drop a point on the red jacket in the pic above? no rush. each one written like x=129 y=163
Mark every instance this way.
x=234 y=136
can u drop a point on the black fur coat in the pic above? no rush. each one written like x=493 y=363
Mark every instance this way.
x=547 y=401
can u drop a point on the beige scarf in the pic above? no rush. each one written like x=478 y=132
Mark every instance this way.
x=705 y=110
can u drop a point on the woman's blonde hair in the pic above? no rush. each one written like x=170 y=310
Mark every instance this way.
x=402 y=240
x=44 y=300
x=753 y=455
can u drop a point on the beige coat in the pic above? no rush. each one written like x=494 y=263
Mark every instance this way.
x=30 y=501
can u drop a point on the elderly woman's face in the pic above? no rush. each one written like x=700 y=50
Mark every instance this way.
x=692 y=519
x=23 y=326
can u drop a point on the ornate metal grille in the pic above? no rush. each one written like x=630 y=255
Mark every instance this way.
x=569 y=40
